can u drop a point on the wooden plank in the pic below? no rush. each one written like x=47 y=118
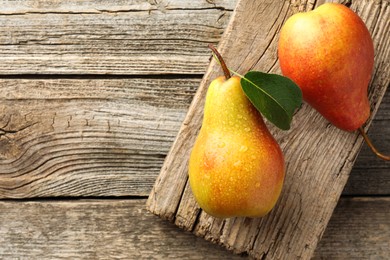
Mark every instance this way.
x=109 y=137
x=365 y=181
x=319 y=157
x=380 y=134
x=109 y=37
x=359 y=229
x=370 y=175
x=119 y=229
x=87 y=137
x=124 y=229
x=20 y=7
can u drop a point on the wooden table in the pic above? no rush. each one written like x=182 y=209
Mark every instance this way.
x=92 y=94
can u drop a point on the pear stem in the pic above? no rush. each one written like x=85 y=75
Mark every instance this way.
x=372 y=147
x=221 y=61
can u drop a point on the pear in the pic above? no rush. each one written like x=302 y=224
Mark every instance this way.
x=329 y=53
x=236 y=168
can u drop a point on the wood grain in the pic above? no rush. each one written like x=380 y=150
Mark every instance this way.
x=111 y=229
x=109 y=137
x=123 y=229
x=319 y=157
x=87 y=137
x=109 y=37
x=363 y=225
x=21 y=7
x=371 y=175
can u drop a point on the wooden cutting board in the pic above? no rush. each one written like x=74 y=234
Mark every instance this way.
x=319 y=157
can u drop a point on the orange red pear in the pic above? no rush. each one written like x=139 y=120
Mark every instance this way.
x=329 y=53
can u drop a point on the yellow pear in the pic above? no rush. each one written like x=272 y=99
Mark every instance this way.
x=236 y=167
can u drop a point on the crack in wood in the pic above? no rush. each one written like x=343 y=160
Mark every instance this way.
x=96 y=11
x=108 y=11
x=4 y=131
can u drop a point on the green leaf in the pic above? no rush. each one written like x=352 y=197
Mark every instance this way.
x=275 y=96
